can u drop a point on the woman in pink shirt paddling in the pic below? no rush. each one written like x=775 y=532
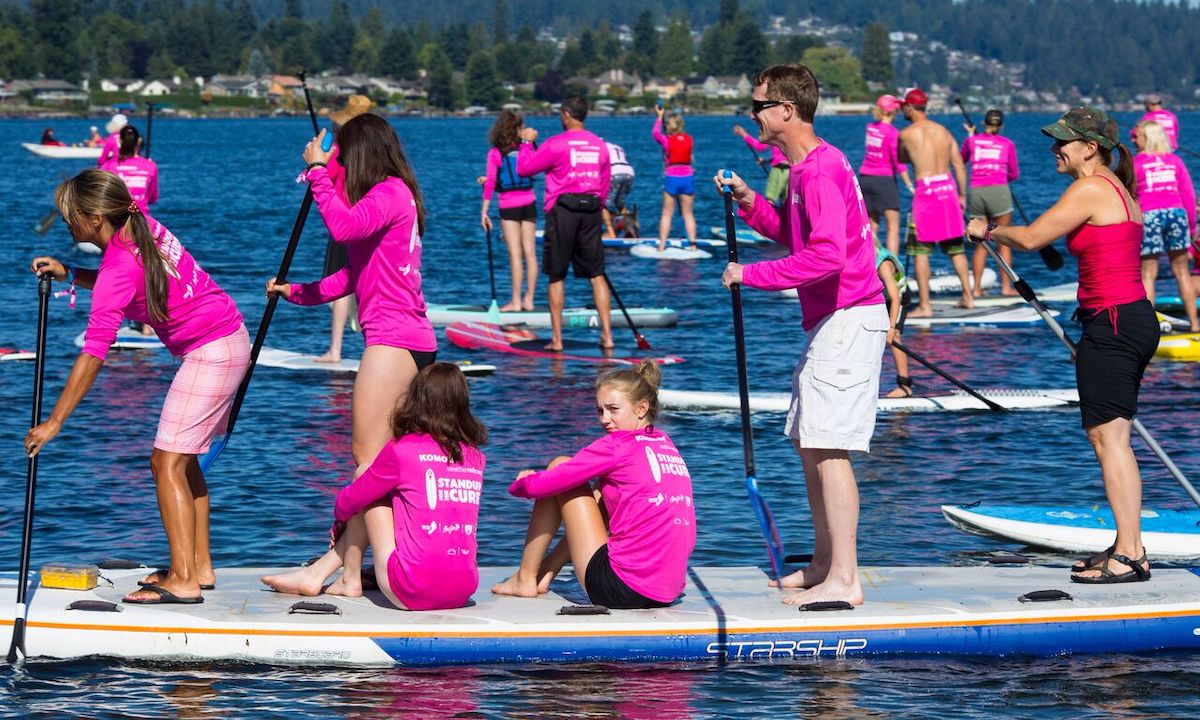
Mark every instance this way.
x=416 y=505
x=140 y=174
x=879 y=169
x=146 y=275
x=381 y=221
x=518 y=208
x=638 y=558
x=1168 y=200
x=679 y=180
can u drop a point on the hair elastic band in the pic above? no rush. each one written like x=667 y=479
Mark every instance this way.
x=133 y=208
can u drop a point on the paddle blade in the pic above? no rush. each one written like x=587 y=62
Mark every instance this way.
x=766 y=525
x=642 y=342
x=1051 y=257
x=214 y=451
x=44 y=224
x=493 y=313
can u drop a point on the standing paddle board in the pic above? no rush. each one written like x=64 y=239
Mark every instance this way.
x=577 y=317
x=7 y=354
x=520 y=340
x=1171 y=303
x=1064 y=293
x=651 y=252
x=1182 y=347
x=624 y=242
x=129 y=339
x=1167 y=534
x=957 y=402
x=726 y=614
x=288 y=360
x=1014 y=314
x=938 y=284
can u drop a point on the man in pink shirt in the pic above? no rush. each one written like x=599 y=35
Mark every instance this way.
x=823 y=220
x=577 y=178
x=1165 y=118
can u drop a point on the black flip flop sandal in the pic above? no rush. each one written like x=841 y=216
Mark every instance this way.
x=162 y=574
x=165 y=597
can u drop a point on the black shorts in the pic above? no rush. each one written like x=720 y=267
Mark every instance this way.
x=880 y=192
x=605 y=588
x=1109 y=365
x=524 y=212
x=423 y=358
x=336 y=258
x=572 y=238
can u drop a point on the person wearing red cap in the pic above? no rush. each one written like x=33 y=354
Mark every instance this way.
x=880 y=166
x=938 y=201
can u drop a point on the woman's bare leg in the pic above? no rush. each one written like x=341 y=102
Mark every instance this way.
x=511 y=231
x=664 y=221
x=382 y=382
x=529 y=250
x=689 y=218
x=1187 y=293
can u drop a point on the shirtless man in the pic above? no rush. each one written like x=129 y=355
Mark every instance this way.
x=938 y=200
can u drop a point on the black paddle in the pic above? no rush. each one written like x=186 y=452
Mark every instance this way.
x=759 y=161
x=39 y=370
x=1050 y=256
x=1054 y=260
x=762 y=511
x=1032 y=298
x=642 y=342
x=260 y=338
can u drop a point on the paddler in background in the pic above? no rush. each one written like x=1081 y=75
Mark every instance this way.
x=1155 y=112
x=518 y=208
x=823 y=221
x=880 y=167
x=112 y=142
x=777 y=174
x=619 y=188
x=679 y=180
x=1100 y=216
x=939 y=200
x=993 y=160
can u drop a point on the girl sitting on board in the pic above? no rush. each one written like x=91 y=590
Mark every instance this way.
x=140 y=174
x=518 y=208
x=381 y=221
x=416 y=505
x=679 y=180
x=638 y=558
x=146 y=275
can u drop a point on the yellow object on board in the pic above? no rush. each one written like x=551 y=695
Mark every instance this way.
x=70 y=576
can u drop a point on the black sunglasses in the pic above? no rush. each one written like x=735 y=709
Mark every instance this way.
x=757 y=106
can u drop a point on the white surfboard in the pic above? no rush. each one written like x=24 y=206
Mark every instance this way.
x=129 y=339
x=650 y=252
x=695 y=400
x=288 y=360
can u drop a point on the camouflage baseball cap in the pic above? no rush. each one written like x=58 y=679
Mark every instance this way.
x=1085 y=123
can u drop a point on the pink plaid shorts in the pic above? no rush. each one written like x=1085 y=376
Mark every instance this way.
x=197 y=406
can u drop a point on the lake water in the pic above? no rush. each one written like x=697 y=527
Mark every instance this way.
x=228 y=193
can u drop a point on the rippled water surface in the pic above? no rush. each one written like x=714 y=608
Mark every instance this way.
x=227 y=192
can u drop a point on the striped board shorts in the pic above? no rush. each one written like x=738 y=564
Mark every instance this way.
x=197 y=406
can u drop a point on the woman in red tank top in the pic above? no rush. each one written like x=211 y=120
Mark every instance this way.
x=679 y=182
x=1100 y=217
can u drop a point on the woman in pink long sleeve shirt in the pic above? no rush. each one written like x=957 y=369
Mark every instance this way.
x=639 y=559
x=146 y=275
x=140 y=174
x=381 y=224
x=518 y=208
x=416 y=505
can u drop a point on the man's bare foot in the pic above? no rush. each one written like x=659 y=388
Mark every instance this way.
x=329 y=357
x=553 y=346
x=527 y=305
x=297 y=582
x=978 y=291
x=510 y=307
x=345 y=589
x=519 y=586
x=967 y=302
x=802 y=578
x=1009 y=292
x=606 y=342
x=921 y=311
x=828 y=591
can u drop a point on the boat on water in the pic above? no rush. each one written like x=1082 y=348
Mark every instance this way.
x=725 y=614
x=63 y=152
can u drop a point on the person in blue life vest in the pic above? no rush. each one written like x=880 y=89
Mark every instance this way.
x=518 y=208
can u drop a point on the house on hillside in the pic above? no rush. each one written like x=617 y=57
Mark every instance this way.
x=121 y=84
x=284 y=87
x=628 y=83
x=726 y=87
x=50 y=91
x=158 y=88
x=663 y=88
x=236 y=86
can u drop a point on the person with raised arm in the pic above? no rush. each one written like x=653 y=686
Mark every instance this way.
x=679 y=179
x=146 y=275
x=835 y=385
x=381 y=221
x=939 y=200
x=577 y=179
x=1100 y=216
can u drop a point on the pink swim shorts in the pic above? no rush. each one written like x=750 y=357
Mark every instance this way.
x=936 y=211
x=197 y=406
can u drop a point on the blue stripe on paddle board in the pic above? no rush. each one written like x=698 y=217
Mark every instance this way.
x=1047 y=638
x=1167 y=521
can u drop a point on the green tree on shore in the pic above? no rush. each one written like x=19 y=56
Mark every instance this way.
x=877 y=54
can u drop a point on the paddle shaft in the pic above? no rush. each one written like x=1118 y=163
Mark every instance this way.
x=149 y=127
x=285 y=264
x=642 y=342
x=39 y=371
x=491 y=265
x=759 y=161
x=1032 y=298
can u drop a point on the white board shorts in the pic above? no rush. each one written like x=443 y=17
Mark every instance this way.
x=835 y=385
